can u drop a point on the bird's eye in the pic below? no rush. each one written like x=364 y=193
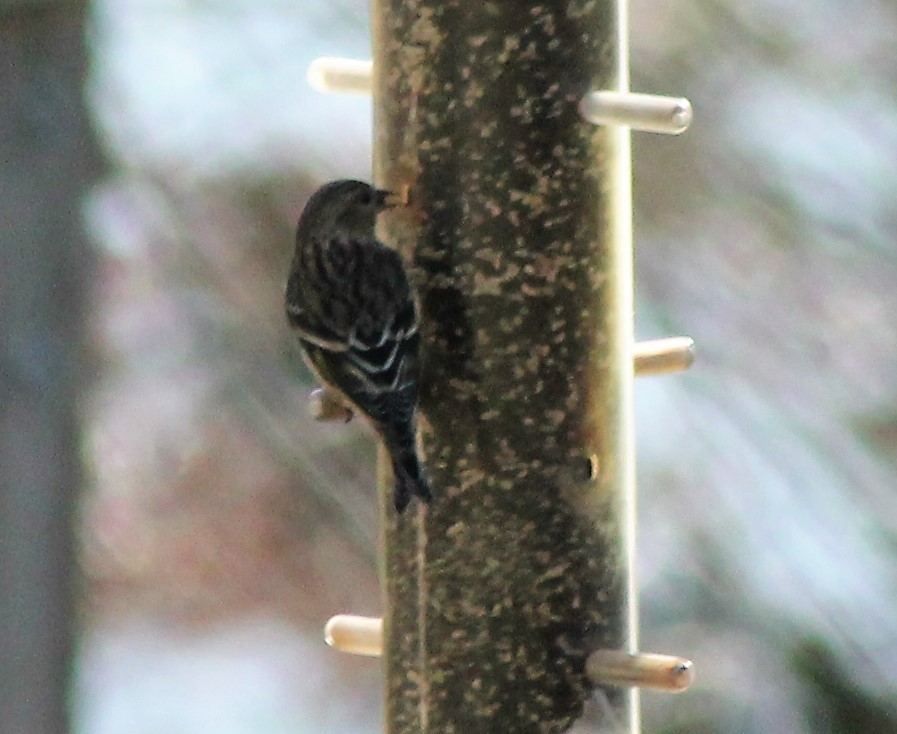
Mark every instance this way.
x=365 y=197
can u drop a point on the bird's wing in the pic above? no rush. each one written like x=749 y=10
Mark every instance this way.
x=318 y=299
x=355 y=316
x=312 y=331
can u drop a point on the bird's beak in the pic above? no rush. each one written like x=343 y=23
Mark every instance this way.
x=384 y=199
x=389 y=199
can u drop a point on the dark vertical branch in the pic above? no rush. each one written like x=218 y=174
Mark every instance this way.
x=519 y=231
x=47 y=164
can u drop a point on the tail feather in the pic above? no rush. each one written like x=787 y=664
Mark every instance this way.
x=409 y=477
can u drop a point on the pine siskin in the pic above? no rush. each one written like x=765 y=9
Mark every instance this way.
x=350 y=303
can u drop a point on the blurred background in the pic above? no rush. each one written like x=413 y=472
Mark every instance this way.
x=217 y=528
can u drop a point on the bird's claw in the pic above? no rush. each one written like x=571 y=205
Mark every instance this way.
x=326 y=406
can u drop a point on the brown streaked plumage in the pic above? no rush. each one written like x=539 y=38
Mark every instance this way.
x=350 y=304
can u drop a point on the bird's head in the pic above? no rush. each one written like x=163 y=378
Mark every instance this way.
x=342 y=207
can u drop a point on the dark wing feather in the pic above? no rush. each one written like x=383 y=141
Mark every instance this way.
x=350 y=304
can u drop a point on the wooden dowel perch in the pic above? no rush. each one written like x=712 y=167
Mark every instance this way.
x=643 y=112
x=349 y=76
x=663 y=356
x=645 y=670
x=364 y=636
x=656 y=357
x=325 y=406
x=355 y=635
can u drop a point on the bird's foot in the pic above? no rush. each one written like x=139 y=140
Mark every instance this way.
x=326 y=406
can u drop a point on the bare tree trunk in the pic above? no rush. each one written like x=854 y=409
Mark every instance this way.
x=519 y=228
x=47 y=163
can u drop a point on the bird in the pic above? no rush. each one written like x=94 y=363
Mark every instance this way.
x=350 y=303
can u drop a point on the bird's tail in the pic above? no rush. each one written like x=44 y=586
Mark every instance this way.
x=410 y=480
